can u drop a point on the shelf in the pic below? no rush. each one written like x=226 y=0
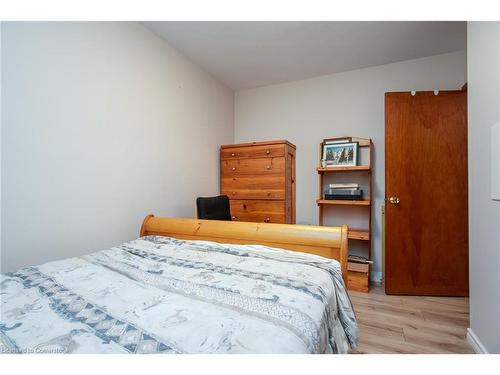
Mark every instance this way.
x=362 y=142
x=352 y=168
x=364 y=202
x=358 y=234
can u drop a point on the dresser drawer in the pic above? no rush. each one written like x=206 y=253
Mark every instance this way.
x=253 y=152
x=263 y=166
x=254 y=194
x=254 y=187
x=258 y=211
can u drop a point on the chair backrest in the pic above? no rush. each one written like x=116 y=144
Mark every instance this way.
x=213 y=208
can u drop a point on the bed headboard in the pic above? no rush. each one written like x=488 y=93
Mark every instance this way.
x=329 y=242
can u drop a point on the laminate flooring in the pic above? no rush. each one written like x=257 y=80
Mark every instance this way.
x=410 y=324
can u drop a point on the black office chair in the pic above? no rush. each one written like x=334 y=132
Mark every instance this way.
x=213 y=208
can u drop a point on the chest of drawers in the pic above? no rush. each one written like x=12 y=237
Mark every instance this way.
x=259 y=179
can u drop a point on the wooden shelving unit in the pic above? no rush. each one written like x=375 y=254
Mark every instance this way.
x=359 y=274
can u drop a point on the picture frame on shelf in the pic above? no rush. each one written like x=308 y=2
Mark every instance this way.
x=340 y=154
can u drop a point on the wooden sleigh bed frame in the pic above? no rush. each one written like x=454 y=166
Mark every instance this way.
x=328 y=242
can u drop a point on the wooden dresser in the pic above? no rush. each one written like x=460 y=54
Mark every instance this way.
x=259 y=179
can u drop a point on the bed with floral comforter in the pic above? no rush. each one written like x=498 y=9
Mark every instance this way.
x=164 y=295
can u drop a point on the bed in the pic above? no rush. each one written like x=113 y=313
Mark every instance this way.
x=188 y=286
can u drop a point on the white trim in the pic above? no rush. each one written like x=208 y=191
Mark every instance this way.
x=474 y=341
x=376 y=277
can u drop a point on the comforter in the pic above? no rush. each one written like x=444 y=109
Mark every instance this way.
x=164 y=295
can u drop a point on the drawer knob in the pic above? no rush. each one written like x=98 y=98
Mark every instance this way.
x=268 y=166
x=234 y=217
x=268 y=193
x=233 y=168
x=267 y=219
x=232 y=154
x=234 y=193
x=268 y=152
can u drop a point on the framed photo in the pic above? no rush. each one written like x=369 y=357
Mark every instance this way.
x=340 y=154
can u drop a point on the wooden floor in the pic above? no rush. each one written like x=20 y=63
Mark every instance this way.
x=410 y=324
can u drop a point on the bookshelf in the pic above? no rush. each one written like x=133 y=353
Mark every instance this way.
x=359 y=273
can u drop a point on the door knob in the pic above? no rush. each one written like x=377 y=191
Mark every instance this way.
x=394 y=200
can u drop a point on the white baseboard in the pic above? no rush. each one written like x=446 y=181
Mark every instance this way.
x=474 y=341
x=376 y=277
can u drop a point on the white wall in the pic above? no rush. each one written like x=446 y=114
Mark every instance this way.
x=351 y=103
x=484 y=213
x=102 y=124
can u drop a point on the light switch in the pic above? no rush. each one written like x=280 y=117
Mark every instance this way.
x=495 y=162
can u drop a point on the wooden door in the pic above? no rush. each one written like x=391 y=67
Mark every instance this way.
x=426 y=249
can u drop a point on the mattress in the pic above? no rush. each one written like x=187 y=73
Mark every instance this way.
x=164 y=295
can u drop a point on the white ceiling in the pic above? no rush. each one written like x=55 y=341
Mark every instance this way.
x=251 y=54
